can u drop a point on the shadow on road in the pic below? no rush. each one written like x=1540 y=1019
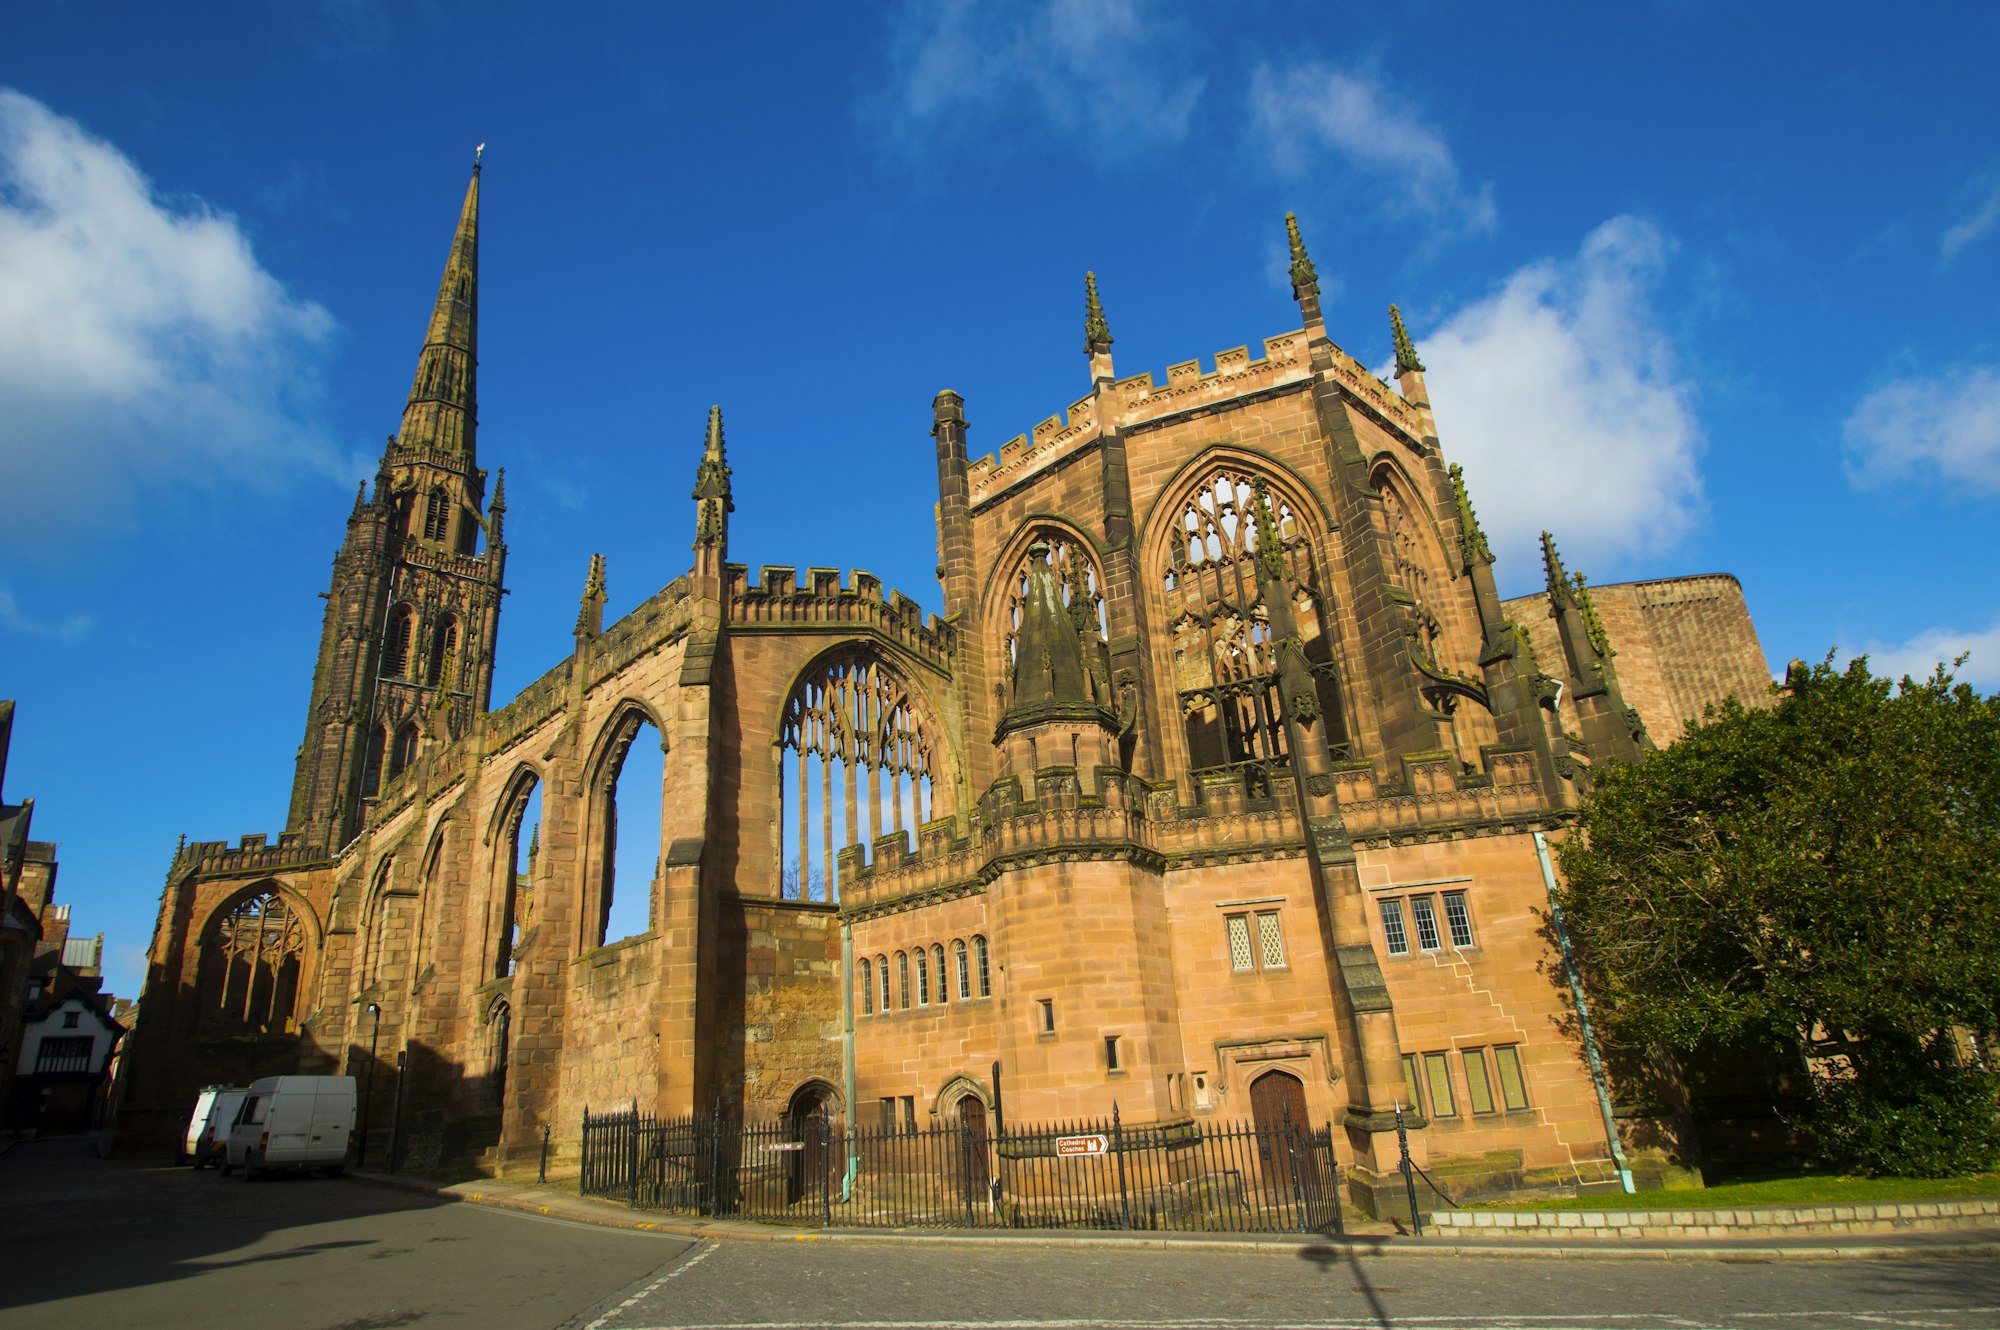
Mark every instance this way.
x=1329 y=1258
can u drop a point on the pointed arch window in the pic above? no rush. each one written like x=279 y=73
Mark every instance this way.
x=903 y=978
x=258 y=953
x=985 y=973
x=1082 y=592
x=882 y=976
x=964 y=970
x=1224 y=651
x=405 y=750
x=937 y=968
x=856 y=762
x=371 y=762
x=437 y=514
x=444 y=647
x=867 y=988
x=396 y=643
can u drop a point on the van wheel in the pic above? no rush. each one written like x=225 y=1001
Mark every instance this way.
x=227 y=1167
x=249 y=1165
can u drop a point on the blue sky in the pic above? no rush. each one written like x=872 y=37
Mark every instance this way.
x=1701 y=287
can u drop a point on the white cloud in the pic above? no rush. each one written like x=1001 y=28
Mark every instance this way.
x=1975 y=225
x=1946 y=427
x=1112 y=74
x=1560 y=395
x=140 y=341
x=1922 y=654
x=11 y=616
x=1304 y=113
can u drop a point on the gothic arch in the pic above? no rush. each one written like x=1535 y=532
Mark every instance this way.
x=506 y=921
x=857 y=707
x=258 y=952
x=1079 y=566
x=600 y=817
x=1218 y=657
x=955 y=1089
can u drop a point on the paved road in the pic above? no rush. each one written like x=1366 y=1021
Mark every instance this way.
x=882 y=1287
x=113 y=1244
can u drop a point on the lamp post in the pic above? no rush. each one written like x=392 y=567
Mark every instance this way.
x=368 y=1091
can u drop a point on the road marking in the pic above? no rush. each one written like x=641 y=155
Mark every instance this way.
x=1904 y=1318
x=707 y=1250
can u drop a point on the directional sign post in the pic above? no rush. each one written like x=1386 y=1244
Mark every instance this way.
x=1081 y=1147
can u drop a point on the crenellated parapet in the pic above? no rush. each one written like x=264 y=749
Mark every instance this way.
x=664 y=616
x=535 y=706
x=249 y=857
x=780 y=600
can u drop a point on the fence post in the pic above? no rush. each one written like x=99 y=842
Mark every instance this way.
x=583 y=1155
x=1118 y=1148
x=542 y=1173
x=825 y=1132
x=632 y=1158
x=1409 y=1178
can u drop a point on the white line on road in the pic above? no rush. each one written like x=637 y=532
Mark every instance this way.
x=707 y=1250
x=1906 y=1318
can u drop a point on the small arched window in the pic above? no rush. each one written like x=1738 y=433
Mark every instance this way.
x=405 y=751
x=882 y=973
x=964 y=970
x=903 y=977
x=985 y=972
x=396 y=643
x=867 y=989
x=937 y=966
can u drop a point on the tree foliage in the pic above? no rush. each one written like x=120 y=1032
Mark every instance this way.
x=1818 y=876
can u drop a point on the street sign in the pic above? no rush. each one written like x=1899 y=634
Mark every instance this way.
x=1077 y=1147
x=786 y=1145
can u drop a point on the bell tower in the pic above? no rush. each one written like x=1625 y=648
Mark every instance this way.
x=413 y=613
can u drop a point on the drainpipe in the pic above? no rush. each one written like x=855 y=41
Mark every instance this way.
x=1583 y=1018
x=847 y=1058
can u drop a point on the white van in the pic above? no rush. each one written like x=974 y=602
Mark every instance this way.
x=208 y=1127
x=297 y=1122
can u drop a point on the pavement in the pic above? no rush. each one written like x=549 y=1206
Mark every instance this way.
x=1363 y=1239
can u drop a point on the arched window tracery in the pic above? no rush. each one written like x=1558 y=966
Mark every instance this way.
x=1082 y=588
x=1225 y=653
x=259 y=951
x=856 y=762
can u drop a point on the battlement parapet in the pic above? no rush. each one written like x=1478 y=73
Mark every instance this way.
x=662 y=616
x=1435 y=794
x=1144 y=399
x=780 y=600
x=533 y=707
x=252 y=855
x=1026 y=454
x=1362 y=384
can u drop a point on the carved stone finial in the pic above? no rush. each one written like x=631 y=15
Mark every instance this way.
x=1406 y=350
x=1558 y=580
x=1305 y=281
x=711 y=487
x=1593 y=627
x=1471 y=540
x=1096 y=332
x=1270 y=554
x=590 y=611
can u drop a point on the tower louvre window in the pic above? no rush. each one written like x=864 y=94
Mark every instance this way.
x=404 y=752
x=444 y=642
x=371 y=766
x=396 y=643
x=437 y=514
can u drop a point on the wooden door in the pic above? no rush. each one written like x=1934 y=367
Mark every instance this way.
x=972 y=1122
x=1278 y=1107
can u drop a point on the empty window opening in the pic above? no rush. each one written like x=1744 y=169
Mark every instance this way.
x=444 y=652
x=258 y=952
x=855 y=764
x=517 y=895
x=396 y=643
x=631 y=824
x=1111 y=1052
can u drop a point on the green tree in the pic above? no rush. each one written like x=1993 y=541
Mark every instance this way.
x=1817 y=876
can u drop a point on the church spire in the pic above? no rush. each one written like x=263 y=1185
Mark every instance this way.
x=711 y=490
x=1305 y=279
x=442 y=413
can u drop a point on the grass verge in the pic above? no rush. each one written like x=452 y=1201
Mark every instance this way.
x=1811 y=1189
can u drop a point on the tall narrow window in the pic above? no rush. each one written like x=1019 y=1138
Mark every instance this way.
x=396 y=643
x=1513 y=1089
x=985 y=982
x=903 y=977
x=1111 y=1052
x=1411 y=1083
x=1437 y=1079
x=1239 y=942
x=923 y=979
x=937 y=968
x=1048 y=1006
x=1393 y=932
x=964 y=970
x=1427 y=925
x=1478 y=1089
x=1458 y=919
x=855 y=764
x=517 y=889
x=867 y=989
x=444 y=649
x=405 y=750
x=371 y=763
x=1270 y=942
x=627 y=795
x=437 y=514
x=882 y=970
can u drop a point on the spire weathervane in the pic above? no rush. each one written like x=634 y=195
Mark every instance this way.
x=477 y=153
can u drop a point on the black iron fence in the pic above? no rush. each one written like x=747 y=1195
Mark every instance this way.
x=1231 y=1177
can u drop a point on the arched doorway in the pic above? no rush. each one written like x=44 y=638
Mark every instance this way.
x=977 y=1168
x=1278 y=1108
x=809 y=1124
